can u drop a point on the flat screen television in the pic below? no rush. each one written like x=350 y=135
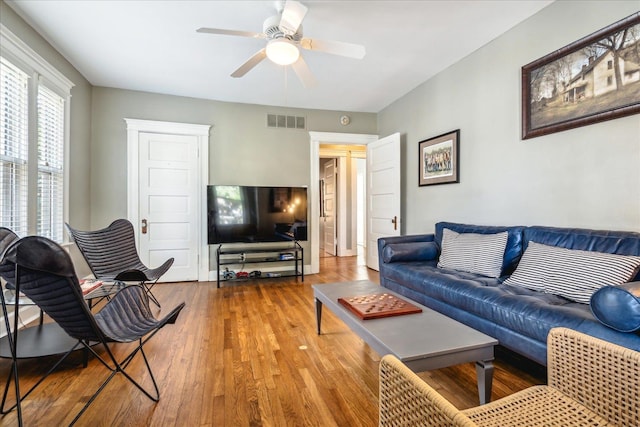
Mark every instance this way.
x=254 y=214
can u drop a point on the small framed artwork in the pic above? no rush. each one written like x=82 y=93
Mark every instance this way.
x=591 y=80
x=439 y=159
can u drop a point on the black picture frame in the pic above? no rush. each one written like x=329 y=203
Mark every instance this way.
x=439 y=159
x=585 y=82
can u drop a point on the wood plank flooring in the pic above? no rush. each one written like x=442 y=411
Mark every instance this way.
x=247 y=355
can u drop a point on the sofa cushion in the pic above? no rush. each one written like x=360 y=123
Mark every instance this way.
x=573 y=274
x=425 y=277
x=472 y=252
x=512 y=252
x=411 y=251
x=618 y=307
x=407 y=272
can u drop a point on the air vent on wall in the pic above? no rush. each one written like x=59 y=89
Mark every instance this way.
x=289 y=122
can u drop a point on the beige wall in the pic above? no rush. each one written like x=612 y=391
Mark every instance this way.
x=79 y=178
x=585 y=177
x=242 y=149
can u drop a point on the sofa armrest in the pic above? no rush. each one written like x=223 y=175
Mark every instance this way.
x=393 y=240
x=407 y=400
x=413 y=251
x=600 y=375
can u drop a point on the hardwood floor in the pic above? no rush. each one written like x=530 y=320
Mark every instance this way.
x=247 y=355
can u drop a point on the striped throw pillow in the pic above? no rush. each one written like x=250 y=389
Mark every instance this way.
x=570 y=273
x=473 y=253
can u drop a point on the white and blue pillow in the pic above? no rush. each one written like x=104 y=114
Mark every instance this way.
x=474 y=253
x=572 y=274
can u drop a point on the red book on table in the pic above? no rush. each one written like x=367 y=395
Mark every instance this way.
x=89 y=285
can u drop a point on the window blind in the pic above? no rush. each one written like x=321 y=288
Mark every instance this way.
x=14 y=147
x=50 y=164
x=34 y=114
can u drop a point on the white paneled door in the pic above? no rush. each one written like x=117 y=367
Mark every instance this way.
x=383 y=193
x=168 y=203
x=330 y=207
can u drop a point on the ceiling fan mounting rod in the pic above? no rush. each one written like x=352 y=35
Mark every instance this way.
x=279 y=5
x=271 y=28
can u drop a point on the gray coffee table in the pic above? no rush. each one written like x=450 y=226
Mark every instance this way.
x=422 y=341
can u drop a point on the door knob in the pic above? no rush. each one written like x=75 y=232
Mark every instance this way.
x=144 y=226
x=395 y=222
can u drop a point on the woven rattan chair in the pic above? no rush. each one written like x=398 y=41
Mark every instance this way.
x=112 y=255
x=44 y=272
x=590 y=383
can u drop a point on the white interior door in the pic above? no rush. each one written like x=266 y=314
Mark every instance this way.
x=168 y=203
x=383 y=193
x=330 y=207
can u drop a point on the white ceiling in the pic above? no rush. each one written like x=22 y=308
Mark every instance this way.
x=153 y=46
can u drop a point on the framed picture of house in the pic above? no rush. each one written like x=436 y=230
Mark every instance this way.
x=594 y=79
x=439 y=159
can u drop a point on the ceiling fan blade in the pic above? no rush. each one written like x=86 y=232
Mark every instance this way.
x=251 y=62
x=336 y=48
x=292 y=16
x=304 y=73
x=231 y=33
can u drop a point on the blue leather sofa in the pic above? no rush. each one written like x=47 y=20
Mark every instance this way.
x=518 y=318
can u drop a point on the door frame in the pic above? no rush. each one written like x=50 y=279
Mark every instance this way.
x=315 y=139
x=137 y=126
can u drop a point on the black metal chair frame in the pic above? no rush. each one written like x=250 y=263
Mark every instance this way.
x=7 y=237
x=45 y=274
x=112 y=255
x=8 y=272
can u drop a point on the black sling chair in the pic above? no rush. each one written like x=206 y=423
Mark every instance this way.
x=45 y=274
x=8 y=272
x=112 y=255
x=7 y=237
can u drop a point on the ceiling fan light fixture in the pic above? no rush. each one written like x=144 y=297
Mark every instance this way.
x=282 y=52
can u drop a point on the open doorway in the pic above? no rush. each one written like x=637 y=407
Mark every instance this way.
x=342 y=198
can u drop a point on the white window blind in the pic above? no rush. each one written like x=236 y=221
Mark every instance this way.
x=50 y=164
x=34 y=115
x=14 y=147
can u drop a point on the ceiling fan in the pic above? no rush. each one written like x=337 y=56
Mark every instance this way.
x=283 y=33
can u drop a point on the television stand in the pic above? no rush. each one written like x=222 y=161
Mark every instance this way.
x=291 y=255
